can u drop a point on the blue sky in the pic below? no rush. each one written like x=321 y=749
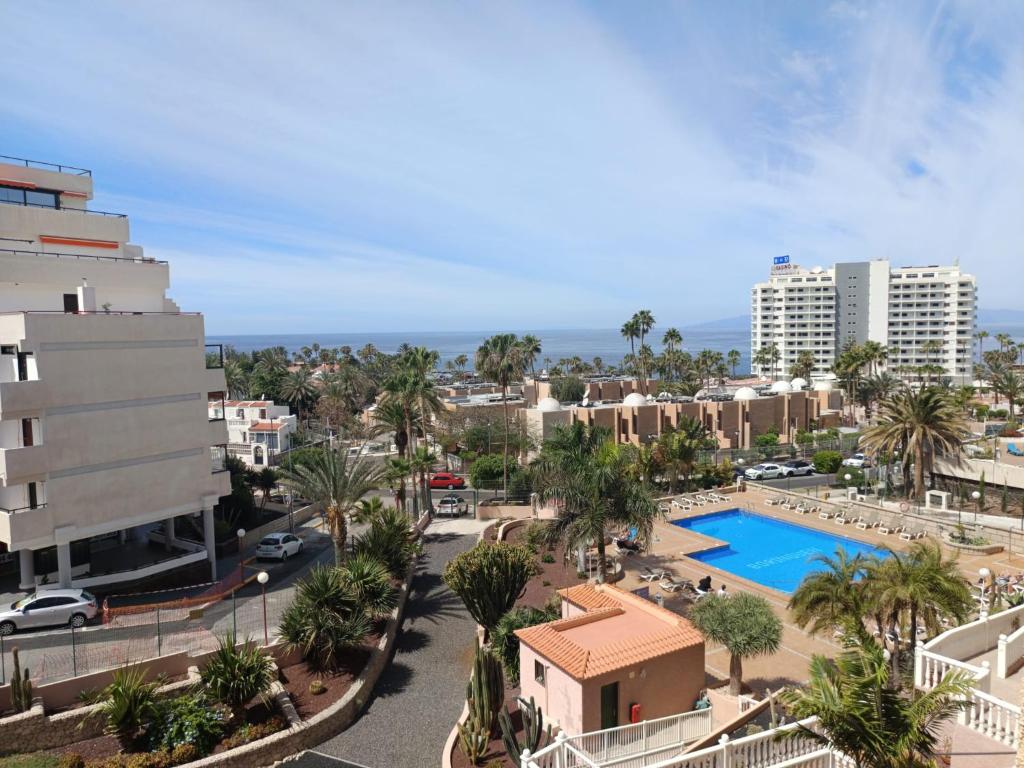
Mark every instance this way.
x=397 y=166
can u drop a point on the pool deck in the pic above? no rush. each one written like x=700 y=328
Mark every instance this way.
x=669 y=551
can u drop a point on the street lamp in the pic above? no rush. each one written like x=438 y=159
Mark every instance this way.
x=976 y=495
x=240 y=533
x=263 y=577
x=984 y=573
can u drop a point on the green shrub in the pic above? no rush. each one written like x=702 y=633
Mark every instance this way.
x=390 y=540
x=487 y=471
x=370 y=581
x=237 y=674
x=535 y=536
x=71 y=760
x=186 y=720
x=158 y=759
x=254 y=732
x=547 y=558
x=128 y=704
x=568 y=389
x=827 y=462
x=489 y=578
x=504 y=642
x=185 y=753
x=325 y=618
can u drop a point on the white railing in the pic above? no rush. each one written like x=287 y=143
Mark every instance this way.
x=746 y=702
x=931 y=667
x=822 y=758
x=760 y=750
x=1010 y=651
x=627 y=746
x=992 y=717
x=976 y=637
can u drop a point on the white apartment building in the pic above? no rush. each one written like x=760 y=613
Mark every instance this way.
x=257 y=429
x=922 y=315
x=104 y=385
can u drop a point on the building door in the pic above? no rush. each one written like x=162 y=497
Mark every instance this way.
x=609 y=706
x=71 y=302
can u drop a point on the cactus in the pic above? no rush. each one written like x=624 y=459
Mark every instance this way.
x=485 y=691
x=21 y=686
x=473 y=739
x=533 y=730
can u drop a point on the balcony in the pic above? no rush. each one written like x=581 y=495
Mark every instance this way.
x=69 y=169
x=18 y=465
x=218 y=458
x=18 y=398
x=105 y=230
x=214 y=355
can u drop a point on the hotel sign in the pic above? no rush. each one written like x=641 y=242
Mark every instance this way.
x=781 y=265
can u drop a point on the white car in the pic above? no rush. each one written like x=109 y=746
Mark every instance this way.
x=858 y=460
x=452 y=505
x=48 y=608
x=278 y=546
x=764 y=472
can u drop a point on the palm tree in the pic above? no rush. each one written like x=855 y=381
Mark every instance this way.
x=1008 y=383
x=531 y=349
x=832 y=596
x=405 y=388
x=981 y=336
x=631 y=330
x=236 y=379
x=644 y=323
x=501 y=358
x=678 y=449
x=672 y=340
x=337 y=483
x=271 y=363
x=391 y=415
x=864 y=716
x=744 y=623
x=588 y=477
x=917 y=425
x=368 y=510
x=298 y=389
x=421 y=462
x=395 y=473
x=804 y=364
x=265 y=481
x=734 y=357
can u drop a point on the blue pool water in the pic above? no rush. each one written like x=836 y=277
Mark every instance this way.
x=765 y=550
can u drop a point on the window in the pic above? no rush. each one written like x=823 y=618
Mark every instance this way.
x=240 y=413
x=538 y=672
x=20 y=196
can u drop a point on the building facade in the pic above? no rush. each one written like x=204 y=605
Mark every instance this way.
x=104 y=385
x=258 y=430
x=922 y=315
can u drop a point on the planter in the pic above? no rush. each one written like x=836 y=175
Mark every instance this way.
x=980 y=549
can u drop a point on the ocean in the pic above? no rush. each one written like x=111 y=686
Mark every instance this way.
x=607 y=344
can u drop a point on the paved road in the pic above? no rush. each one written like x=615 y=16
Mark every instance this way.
x=808 y=481
x=420 y=695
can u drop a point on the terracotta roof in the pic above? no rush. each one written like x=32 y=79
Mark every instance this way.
x=248 y=403
x=267 y=426
x=617 y=630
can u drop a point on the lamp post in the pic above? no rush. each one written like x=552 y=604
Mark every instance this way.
x=240 y=533
x=976 y=495
x=984 y=574
x=263 y=578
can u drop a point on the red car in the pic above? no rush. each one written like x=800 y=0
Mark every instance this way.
x=447 y=480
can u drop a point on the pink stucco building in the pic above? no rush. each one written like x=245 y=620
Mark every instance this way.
x=613 y=657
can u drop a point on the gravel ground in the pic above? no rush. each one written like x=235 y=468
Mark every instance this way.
x=420 y=695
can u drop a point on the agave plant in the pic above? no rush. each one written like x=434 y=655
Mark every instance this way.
x=128 y=705
x=390 y=540
x=237 y=674
x=371 y=583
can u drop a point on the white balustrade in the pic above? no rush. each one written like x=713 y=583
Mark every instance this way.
x=992 y=717
x=931 y=667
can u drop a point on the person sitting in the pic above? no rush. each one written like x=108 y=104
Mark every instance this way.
x=721 y=591
x=704 y=585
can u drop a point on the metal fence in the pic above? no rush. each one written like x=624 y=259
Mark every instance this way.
x=143 y=634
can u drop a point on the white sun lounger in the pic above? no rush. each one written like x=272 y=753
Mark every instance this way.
x=868 y=521
x=696 y=500
x=890 y=528
x=652 y=574
x=909 y=534
x=705 y=499
x=669 y=584
x=777 y=501
x=683 y=504
x=826 y=514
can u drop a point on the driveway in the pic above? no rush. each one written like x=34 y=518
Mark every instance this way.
x=419 y=696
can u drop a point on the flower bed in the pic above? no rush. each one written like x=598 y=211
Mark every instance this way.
x=556 y=573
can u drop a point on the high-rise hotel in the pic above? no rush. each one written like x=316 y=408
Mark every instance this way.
x=922 y=315
x=104 y=384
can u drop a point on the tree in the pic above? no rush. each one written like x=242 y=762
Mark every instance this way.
x=678 y=448
x=568 y=389
x=421 y=463
x=489 y=578
x=588 y=477
x=864 y=716
x=486 y=471
x=265 y=481
x=391 y=415
x=336 y=482
x=733 y=356
x=744 y=623
x=1008 y=383
x=238 y=673
x=804 y=365
x=917 y=425
x=832 y=596
x=827 y=462
x=531 y=349
x=394 y=474
x=672 y=340
x=298 y=389
x=501 y=358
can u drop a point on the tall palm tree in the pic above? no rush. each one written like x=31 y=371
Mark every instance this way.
x=804 y=364
x=531 y=350
x=391 y=415
x=1008 y=383
x=863 y=715
x=421 y=462
x=265 y=481
x=236 y=380
x=832 y=596
x=734 y=357
x=672 y=340
x=631 y=331
x=644 y=323
x=501 y=358
x=981 y=336
x=588 y=477
x=917 y=425
x=406 y=388
x=298 y=389
x=395 y=473
x=333 y=480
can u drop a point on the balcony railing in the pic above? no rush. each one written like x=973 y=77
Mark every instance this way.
x=20 y=252
x=218 y=458
x=74 y=210
x=16 y=510
x=214 y=355
x=69 y=169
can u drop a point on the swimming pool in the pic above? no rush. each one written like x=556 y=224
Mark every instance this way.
x=771 y=552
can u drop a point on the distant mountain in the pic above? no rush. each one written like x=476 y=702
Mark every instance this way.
x=737 y=323
x=1004 y=316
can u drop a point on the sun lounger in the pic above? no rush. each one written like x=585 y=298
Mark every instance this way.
x=696 y=500
x=777 y=501
x=890 y=528
x=652 y=574
x=867 y=521
x=909 y=534
x=801 y=509
x=717 y=497
x=826 y=514
x=664 y=508
x=683 y=504
x=842 y=519
x=705 y=499
x=670 y=584
x=1013 y=450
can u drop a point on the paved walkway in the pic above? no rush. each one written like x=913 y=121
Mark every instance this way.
x=420 y=695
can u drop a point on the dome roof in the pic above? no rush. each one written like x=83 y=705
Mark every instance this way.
x=823 y=385
x=798 y=383
x=781 y=386
x=549 y=404
x=745 y=393
x=635 y=398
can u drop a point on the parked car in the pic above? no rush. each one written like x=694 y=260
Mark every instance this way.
x=49 y=608
x=278 y=546
x=447 y=480
x=452 y=505
x=797 y=467
x=858 y=460
x=763 y=472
